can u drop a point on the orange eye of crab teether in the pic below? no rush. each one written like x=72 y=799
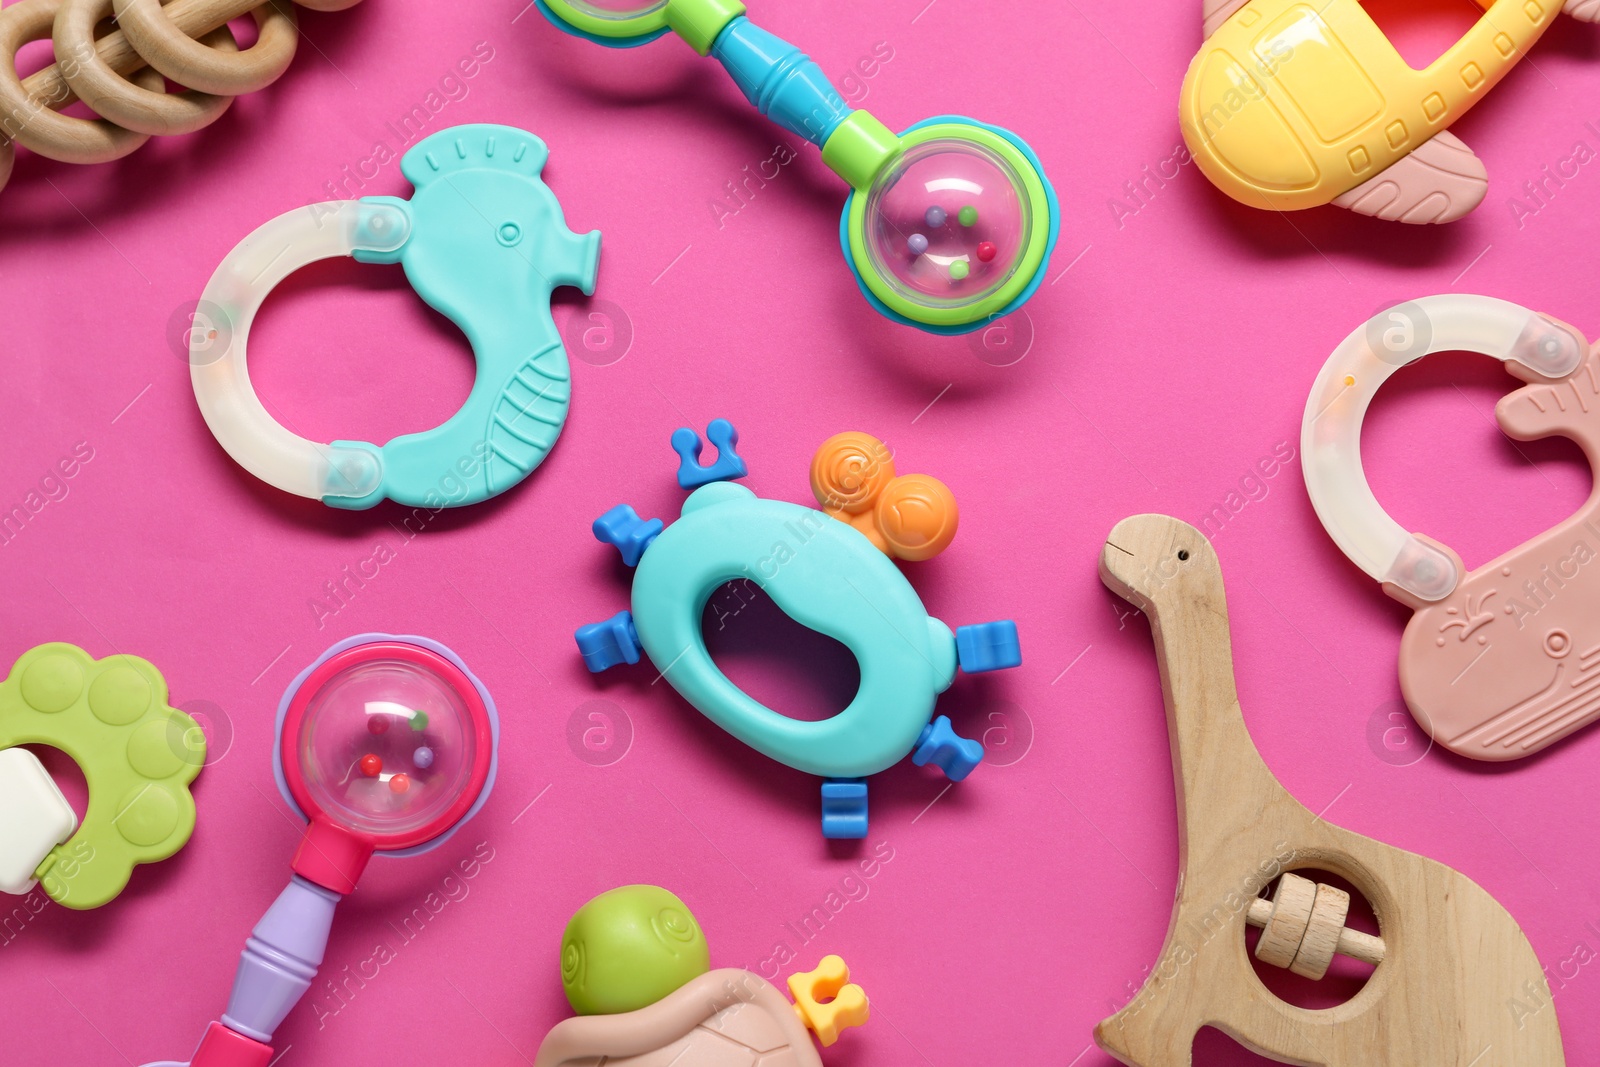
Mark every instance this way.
x=849 y=471
x=917 y=516
x=910 y=517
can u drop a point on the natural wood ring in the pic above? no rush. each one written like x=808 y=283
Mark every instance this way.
x=190 y=63
x=1291 y=915
x=32 y=122
x=1321 y=940
x=114 y=97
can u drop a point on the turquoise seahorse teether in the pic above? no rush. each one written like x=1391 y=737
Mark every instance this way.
x=829 y=570
x=484 y=243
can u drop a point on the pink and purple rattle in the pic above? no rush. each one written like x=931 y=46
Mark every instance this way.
x=385 y=744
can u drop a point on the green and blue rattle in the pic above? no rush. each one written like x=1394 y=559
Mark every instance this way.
x=948 y=226
x=832 y=571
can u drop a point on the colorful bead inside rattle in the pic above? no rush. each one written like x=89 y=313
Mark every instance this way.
x=390 y=740
x=949 y=222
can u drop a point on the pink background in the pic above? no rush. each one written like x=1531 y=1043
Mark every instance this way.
x=1170 y=351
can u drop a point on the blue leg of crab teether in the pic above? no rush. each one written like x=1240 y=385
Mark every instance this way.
x=990 y=646
x=844 y=809
x=728 y=467
x=621 y=526
x=604 y=645
x=941 y=746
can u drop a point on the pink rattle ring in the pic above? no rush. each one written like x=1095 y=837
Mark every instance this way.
x=344 y=708
x=384 y=744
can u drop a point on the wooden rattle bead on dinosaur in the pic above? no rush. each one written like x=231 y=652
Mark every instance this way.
x=1321 y=939
x=1287 y=922
x=1353 y=943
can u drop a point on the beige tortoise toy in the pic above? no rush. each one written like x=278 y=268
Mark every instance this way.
x=636 y=968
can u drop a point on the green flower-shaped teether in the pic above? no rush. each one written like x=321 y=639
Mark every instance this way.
x=138 y=756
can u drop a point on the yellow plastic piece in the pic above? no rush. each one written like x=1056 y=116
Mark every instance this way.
x=911 y=517
x=846 y=1003
x=1290 y=105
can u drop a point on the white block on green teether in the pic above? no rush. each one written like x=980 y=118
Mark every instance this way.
x=34 y=818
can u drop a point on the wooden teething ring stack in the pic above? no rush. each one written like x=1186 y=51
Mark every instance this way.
x=120 y=75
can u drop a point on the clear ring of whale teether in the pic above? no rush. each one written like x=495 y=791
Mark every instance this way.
x=1330 y=434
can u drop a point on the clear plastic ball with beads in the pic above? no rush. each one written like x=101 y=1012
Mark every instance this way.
x=386 y=747
x=947 y=223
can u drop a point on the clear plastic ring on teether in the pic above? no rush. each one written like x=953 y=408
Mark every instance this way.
x=217 y=345
x=33 y=123
x=111 y=96
x=1330 y=434
x=191 y=63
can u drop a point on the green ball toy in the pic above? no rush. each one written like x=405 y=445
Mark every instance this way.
x=628 y=948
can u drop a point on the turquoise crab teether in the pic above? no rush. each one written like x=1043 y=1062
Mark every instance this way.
x=138 y=756
x=484 y=243
x=829 y=570
x=948 y=225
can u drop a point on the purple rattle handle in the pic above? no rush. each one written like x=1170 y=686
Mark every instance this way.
x=280 y=959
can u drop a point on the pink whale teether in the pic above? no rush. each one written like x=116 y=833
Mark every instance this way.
x=1502 y=661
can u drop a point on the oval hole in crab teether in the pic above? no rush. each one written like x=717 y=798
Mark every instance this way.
x=1345 y=976
x=794 y=670
x=344 y=351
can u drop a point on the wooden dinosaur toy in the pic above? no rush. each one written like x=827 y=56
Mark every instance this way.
x=1452 y=965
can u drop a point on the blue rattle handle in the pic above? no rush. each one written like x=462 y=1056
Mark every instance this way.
x=784 y=83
